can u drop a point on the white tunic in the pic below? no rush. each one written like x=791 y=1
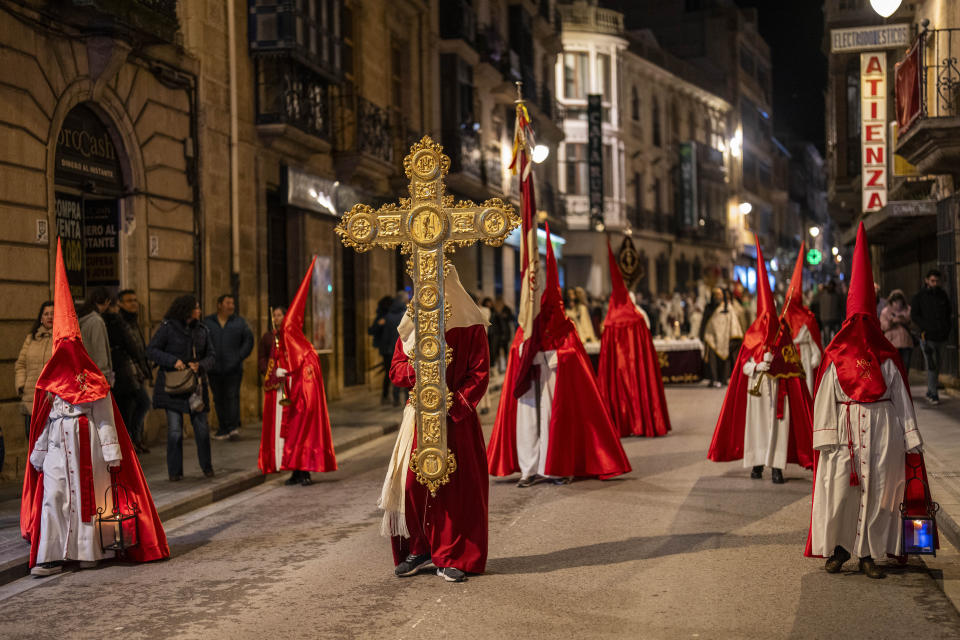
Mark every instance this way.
x=809 y=355
x=63 y=536
x=764 y=436
x=864 y=519
x=533 y=437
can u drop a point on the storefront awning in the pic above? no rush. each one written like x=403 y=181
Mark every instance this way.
x=897 y=223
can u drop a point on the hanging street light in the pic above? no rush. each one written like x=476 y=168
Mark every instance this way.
x=745 y=208
x=885 y=8
x=814 y=231
x=540 y=153
x=834 y=250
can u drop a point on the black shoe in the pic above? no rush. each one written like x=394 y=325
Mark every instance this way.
x=220 y=435
x=870 y=568
x=234 y=434
x=293 y=479
x=527 y=481
x=45 y=569
x=175 y=477
x=305 y=479
x=777 y=475
x=208 y=473
x=412 y=565
x=835 y=562
x=451 y=574
x=563 y=480
x=142 y=448
x=757 y=472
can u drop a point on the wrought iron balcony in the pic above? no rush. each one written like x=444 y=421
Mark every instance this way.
x=928 y=103
x=458 y=21
x=310 y=35
x=493 y=169
x=291 y=94
x=463 y=147
x=362 y=126
x=153 y=19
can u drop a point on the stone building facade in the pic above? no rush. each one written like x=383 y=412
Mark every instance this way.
x=209 y=147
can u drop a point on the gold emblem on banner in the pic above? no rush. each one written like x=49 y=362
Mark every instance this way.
x=428 y=226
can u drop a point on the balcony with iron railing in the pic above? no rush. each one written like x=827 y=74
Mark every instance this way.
x=458 y=21
x=646 y=220
x=928 y=102
x=362 y=127
x=292 y=105
x=151 y=21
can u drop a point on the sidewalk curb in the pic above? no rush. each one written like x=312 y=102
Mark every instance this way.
x=238 y=482
x=947 y=523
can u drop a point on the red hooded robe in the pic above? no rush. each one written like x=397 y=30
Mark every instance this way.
x=582 y=438
x=307 y=440
x=72 y=375
x=861 y=339
x=762 y=336
x=629 y=377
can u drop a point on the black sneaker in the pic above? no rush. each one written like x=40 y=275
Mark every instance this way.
x=777 y=476
x=452 y=574
x=305 y=479
x=234 y=434
x=293 y=479
x=45 y=569
x=412 y=565
x=527 y=481
x=757 y=472
x=562 y=480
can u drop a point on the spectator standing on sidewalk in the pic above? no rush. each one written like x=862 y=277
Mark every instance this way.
x=895 y=323
x=131 y=369
x=388 y=341
x=182 y=342
x=232 y=342
x=930 y=310
x=830 y=308
x=376 y=330
x=34 y=354
x=93 y=330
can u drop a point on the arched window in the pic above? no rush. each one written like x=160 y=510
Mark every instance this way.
x=634 y=104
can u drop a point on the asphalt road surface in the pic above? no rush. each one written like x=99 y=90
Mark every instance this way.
x=679 y=548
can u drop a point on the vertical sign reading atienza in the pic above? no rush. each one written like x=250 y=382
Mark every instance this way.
x=101 y=240
x=68 y=210
x=595 y=155
x=873 y=133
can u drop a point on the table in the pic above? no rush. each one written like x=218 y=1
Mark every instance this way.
x=681 y=360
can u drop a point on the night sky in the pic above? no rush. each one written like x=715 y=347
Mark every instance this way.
x=794 y=31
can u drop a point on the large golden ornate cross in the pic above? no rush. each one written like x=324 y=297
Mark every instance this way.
x=428 y=225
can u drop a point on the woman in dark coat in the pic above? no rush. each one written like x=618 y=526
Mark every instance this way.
x=182 y=342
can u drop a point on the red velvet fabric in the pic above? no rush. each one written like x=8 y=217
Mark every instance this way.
x=153 y=540
x=502 y=452
x=452 y=527
x=308 y=441
x=629 y=377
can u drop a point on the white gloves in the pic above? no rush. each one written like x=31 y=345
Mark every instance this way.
x=763 y=366
x=748 y=367
x=280 y=372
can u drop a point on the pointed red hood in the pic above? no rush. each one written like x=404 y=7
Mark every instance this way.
x=292 y=341
x=794 y=312
x=763 y=332
x=553 y=319
x=859 y=349
x=70 y=373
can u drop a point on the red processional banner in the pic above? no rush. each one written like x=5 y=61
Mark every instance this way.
x=908 y=88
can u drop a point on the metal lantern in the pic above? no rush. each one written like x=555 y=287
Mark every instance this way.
x=118 y=528
x=920 y=531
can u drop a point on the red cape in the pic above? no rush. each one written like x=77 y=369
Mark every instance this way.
x=305 y=427
x=153 y=540
x=582 y=438
x=629 y=377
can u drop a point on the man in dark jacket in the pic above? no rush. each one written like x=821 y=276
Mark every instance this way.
x=232 y=342
x=388 y=340
x=930 y=310
x=131 y=369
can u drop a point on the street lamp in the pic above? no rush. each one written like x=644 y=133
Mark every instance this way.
x=839 y=258
x=736 y=144
x=540 y=153
x=885 y=8
x=834 y=251
x=814 y=231
x=745 y=208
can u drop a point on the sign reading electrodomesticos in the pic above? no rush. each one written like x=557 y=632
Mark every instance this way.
x=873 y=116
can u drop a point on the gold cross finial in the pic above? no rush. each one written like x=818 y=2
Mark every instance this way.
x=428 y=225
